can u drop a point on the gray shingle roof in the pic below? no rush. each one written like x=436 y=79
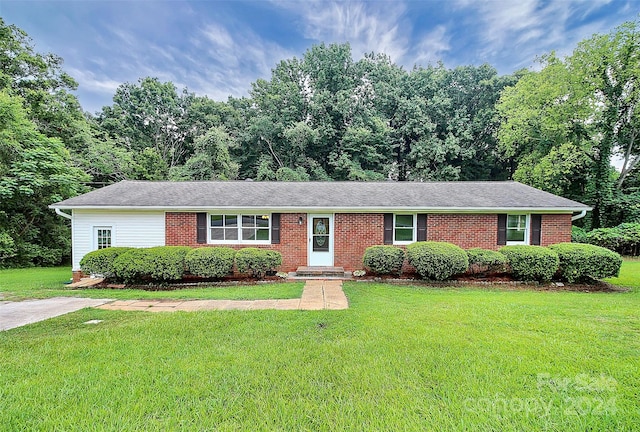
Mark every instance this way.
x=346 y=196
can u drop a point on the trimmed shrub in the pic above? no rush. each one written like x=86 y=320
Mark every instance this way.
x=257 y=262
x=486 y=261
x=100 y=262
x=210 y=262
x=531 y=263
x=437 y=260
x=583 y=261
x=383 y=259
x=160 y=264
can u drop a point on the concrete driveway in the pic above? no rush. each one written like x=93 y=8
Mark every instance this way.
x=16 y=314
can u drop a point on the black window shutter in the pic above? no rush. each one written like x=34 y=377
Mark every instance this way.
x=388 y=228
x=502 y=229
x=275 y=228
x=536 y=228
x=201 y=223
x=422 y=227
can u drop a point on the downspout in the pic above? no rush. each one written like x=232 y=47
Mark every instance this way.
x=63 y=214
x=582 y=214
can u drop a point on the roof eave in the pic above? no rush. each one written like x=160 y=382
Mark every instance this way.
x=302 y=209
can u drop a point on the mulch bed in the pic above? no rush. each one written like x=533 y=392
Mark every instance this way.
x=500 y=281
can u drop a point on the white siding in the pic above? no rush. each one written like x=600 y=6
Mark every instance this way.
x=129 y=228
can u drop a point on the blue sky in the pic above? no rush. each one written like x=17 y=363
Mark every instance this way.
x=218 y=48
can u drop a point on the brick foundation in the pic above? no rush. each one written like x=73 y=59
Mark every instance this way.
x=354 y=232
x=77 y=276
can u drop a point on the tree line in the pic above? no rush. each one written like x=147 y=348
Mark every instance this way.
x=323 y=117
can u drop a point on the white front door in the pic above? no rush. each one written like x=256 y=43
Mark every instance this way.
x=320 y=227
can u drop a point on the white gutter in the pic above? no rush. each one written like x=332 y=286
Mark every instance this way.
x=63 y=214
x=582 y=214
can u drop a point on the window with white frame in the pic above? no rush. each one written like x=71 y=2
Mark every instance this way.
x=102 y=237
x=239 y=228
x=517 y=228
x=404 y=228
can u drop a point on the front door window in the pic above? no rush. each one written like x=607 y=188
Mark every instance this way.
x=321 y=235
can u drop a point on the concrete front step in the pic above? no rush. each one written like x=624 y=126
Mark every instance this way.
x=320 y=271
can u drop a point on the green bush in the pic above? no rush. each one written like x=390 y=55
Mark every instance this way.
x=486 y=261
x=624 y=239
x=210 y=262
x=531 y=263
x=100 y=262
x=583 y=261
x=383 y=259
x=257 y=262
x=437 y=260
x=159 y=264
x=578 y=235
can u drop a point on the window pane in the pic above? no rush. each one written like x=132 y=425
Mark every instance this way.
x=404 y=221
x=262 y=221
x=516 y=221
x=404 y=234
x=216 y=220
x=231 y=220
x=515 y=235
x=248 y=221
x=217 y=234
x=248 y=234
x=263 y=234
x=103 y=238
x=231 y=234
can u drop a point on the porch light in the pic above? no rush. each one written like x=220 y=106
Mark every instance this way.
x=300 y=220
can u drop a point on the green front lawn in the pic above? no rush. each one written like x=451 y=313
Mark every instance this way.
x=21 y=284
x=400 y=358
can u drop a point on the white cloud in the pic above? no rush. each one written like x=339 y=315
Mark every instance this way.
x=368 y=26
x=432 y=46
x=526 y=29
x=88 y=80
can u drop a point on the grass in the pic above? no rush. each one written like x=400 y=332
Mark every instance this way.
x=629 y=275
x=400 y=358
x=20 y=284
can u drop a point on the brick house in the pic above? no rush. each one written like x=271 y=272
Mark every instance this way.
x=316 y=223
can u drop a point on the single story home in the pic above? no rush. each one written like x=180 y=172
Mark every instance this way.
x=315 y=223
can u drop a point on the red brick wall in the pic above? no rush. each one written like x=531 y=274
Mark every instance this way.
x=181 y=231
x=354 y=232
x=464 y=230
x=556 y=228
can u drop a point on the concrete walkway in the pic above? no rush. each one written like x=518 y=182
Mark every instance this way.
x=317 y=295
x=17 y=314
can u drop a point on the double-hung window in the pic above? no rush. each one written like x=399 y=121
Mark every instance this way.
x=239 y=228
x=102 y=237
x=404 y=228
x=517 y=229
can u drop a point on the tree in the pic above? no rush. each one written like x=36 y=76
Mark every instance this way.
x=587 y=104
x=35 y=170
x=151 y=115
x=211 y=160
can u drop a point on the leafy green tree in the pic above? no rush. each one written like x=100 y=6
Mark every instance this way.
x=211 y=160
x=151 y=114
x=565 y=123
x=35 y=170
